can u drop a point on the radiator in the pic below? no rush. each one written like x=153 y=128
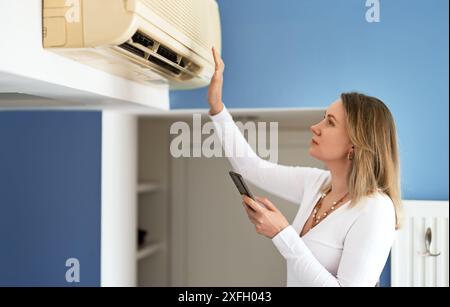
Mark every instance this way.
x=419 y=256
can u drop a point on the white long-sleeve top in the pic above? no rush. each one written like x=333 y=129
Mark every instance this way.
x=348 y=248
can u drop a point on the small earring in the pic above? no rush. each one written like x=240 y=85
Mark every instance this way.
x=349 y=156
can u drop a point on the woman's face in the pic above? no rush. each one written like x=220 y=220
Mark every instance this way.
x=330 y=141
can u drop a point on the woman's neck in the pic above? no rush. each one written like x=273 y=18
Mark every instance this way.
x=339 y=173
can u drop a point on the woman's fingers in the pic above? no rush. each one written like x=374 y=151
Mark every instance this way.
x=250 y=213
x=216 y=56
x=252 y=204
x=217 y=60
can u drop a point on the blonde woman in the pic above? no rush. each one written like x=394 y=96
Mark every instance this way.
x=347 y=217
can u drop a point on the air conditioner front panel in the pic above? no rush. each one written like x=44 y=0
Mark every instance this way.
x=107 y=22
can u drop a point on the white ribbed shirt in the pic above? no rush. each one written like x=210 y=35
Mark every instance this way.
x=348 y=248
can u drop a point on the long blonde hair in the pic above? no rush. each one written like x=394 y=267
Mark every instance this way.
x=375 y=163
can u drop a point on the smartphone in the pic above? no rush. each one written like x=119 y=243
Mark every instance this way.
x=240 y=184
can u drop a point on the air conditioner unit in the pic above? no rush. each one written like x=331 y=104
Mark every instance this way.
x=144 y=40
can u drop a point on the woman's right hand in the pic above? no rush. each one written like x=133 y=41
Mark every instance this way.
x=215 y=87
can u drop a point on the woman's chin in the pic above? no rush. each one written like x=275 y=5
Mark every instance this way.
x=313 y=153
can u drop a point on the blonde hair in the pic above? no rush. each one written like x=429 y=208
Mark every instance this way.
x=375 y=163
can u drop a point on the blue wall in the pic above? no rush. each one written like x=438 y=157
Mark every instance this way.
x=50 y=190
x=303 y=53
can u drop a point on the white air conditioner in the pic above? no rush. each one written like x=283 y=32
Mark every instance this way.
x=143 y=40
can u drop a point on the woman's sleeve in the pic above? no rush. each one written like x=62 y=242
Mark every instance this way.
x=364 y=255
x=287 y=182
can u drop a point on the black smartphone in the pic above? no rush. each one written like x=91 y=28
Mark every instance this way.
x=240 y=184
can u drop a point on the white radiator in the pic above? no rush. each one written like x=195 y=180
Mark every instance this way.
x=420 y=253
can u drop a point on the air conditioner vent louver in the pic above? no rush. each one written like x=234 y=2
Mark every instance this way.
x=168 y=54
x=152 y=51
x=164 y=65
x=142 y=40
x=130 y=48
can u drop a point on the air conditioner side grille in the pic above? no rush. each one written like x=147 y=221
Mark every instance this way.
x=151 y=51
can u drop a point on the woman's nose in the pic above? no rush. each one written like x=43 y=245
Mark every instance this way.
x=315 y=129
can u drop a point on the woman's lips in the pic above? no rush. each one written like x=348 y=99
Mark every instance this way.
x=314 y=142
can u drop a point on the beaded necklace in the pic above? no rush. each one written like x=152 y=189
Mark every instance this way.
x=316 y=217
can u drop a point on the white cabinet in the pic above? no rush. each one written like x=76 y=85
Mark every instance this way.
x=33 y=78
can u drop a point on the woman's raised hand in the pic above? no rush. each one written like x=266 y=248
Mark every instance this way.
x=215 y=87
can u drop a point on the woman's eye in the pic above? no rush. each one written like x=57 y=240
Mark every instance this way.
x=329 y=122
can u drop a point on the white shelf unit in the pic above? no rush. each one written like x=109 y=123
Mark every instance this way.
x=148 y=248
x=152 y=258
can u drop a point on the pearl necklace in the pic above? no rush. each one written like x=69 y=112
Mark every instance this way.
x=316 y=217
